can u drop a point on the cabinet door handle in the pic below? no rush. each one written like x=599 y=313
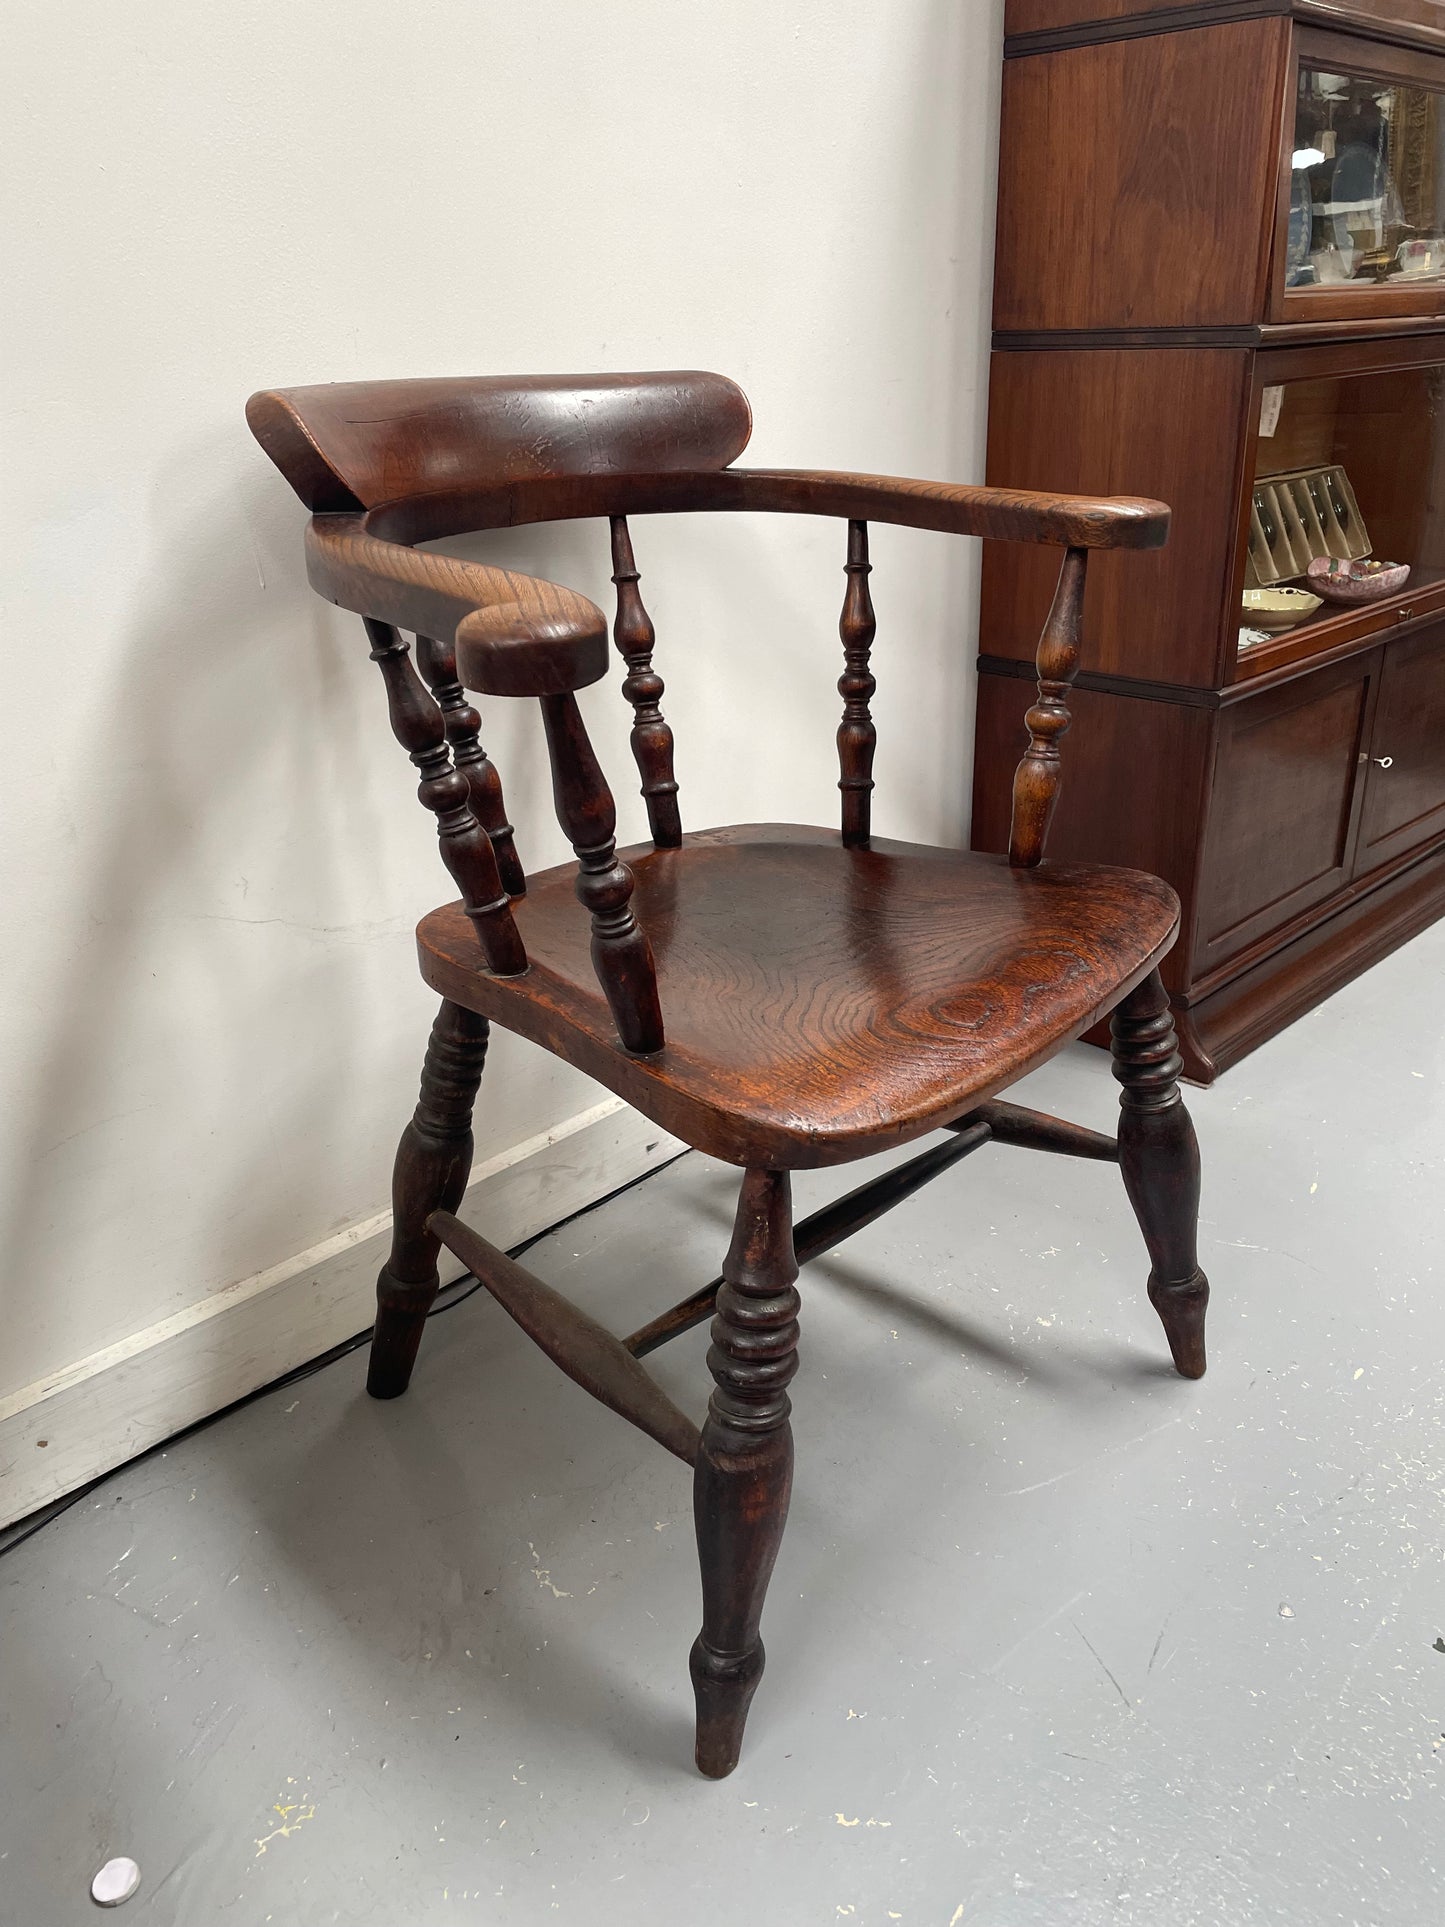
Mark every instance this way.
x=1384 y=762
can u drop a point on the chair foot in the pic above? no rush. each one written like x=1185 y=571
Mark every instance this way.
x=433 y=1162
x=401 y=1313
x=1159 y=1160
x=744 y=1472
x=723 y=1686
x=1181 y=1310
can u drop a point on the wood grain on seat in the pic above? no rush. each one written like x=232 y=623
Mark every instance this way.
x=821 y=1003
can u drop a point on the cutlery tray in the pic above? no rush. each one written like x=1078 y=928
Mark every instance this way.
x=1294 y=518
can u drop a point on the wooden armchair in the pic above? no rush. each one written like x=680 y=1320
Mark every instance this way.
x=779 y=996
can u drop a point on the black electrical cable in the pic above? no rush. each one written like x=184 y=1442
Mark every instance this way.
x=447 y=1299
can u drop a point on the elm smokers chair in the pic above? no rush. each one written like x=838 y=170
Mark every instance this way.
x=781 y=997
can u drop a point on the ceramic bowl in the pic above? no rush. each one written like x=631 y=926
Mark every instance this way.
x=1276 y=608
x=1352 y=582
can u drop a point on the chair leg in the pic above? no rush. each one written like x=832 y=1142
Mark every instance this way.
x=745 y=1463
x=433 y=1162
x=1159 y=1158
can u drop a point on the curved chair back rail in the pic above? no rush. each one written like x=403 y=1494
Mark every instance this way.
x=389 y=465
x=351 y=444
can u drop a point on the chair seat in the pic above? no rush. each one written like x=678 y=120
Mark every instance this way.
x=821 y=1003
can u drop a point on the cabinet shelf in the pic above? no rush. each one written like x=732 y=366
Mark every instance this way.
x=1323 y=634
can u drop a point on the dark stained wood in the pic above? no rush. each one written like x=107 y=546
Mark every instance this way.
x=823 y=1003
x=417 y=724
x=744 y=1473
x=351 y=444
x=1347 y=632
x=995 y=1122
x=1140 y=314
x=515 y=635
x=1037 y=1131
x=1159 y=1159
x=500 y=656
x=1077 y=517
x=834 y=1223
x=1404 y=791
x=1277 y=981
x=433 y=1162
x=438 y=665
x=621 y=956
x=1033 y=25
x=1139 y=180
x=510 y=631
x=642 y=686
x=857 y=738
x=1286 y=795
x=588 y=1353
x=1039 y=776
x=826 y=995
x=1139 y=766
x=1171 y=421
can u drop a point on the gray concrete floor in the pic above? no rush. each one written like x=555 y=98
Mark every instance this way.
x=1054 y=1638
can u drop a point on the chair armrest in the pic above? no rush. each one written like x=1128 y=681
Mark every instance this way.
x=954 y=508
x=515 y=635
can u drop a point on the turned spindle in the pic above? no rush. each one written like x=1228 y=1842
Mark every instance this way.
x=642 y=686
x=621 y=954
x=416 y=722
x=1039 y=776
x=857 y=737
x=438 y=664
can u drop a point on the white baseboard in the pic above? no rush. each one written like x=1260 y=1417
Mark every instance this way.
x=104 y=1409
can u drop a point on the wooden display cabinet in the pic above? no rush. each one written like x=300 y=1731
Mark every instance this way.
x=1220 y=281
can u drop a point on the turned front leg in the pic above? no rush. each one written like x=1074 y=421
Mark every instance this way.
x=1159 y=1158
x=433 y=1163
x=744 y=1472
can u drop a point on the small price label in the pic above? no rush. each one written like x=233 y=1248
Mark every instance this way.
x=1270 y=403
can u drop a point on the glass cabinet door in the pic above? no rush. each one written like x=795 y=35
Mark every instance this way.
x=1366 y=182
x=1345 y=528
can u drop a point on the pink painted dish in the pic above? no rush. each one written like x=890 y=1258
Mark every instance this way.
x=1363 y=581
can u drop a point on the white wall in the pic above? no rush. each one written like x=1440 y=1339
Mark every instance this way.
x=212 y=1017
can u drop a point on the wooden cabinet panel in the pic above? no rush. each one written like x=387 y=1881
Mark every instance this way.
x=1138 y=181
x=1405 y=803
x=1163 y=422
x=1145 y=344
x=1134 y=778
x=1285 y=801
x=1415 y=22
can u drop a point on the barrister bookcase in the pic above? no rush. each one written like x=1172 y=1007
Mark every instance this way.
x=1220 y=281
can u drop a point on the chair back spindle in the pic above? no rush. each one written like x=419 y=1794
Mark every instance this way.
x=438 y=664
x=857 y=738
x=1039 y=776
x=621 y=954
x=643 y=688
x=416 y=722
